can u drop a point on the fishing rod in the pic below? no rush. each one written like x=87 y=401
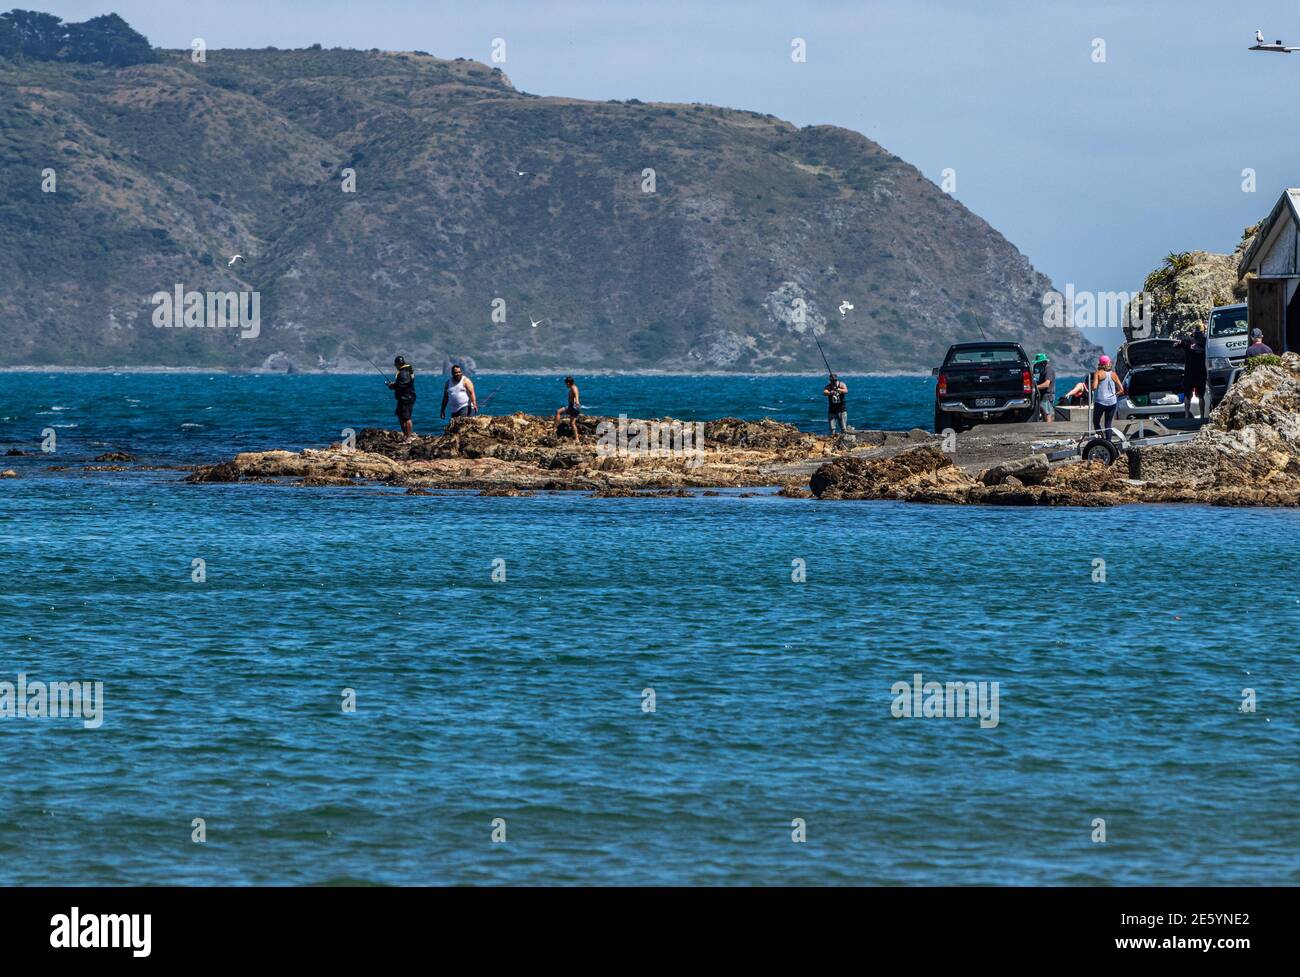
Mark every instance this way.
x=823 y=352
x=483 y=403
x=372 y=362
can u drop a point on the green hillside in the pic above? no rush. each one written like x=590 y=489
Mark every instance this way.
x=166 y=167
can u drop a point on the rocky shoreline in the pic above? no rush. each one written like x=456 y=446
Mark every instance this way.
x=520 y=453
x=1247 y=454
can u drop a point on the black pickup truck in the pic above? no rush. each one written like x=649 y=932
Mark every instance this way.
x=981 y=383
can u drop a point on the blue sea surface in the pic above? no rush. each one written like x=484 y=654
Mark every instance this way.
x=524 y=699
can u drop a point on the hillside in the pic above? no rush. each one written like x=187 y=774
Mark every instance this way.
x=467 y=191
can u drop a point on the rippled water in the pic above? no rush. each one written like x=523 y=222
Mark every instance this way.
x=522 y=699
x=198 y=416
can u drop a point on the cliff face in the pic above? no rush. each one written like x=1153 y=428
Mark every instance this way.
x=397 y=201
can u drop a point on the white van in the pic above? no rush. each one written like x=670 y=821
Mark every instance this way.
x=1226 y=337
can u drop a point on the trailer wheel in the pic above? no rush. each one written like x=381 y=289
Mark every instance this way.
x=1099 y=449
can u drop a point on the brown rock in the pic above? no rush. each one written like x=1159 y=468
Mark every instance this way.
x=523 y=452
x=1028 y=471
x=924 y=469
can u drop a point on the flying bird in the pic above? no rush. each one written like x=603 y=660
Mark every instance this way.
x=536 y=322
x=845 y=308
x=239 y=258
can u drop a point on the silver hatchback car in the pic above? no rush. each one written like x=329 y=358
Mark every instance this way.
x=1153 y=381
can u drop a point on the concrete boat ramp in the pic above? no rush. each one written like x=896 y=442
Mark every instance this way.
x=981 y=447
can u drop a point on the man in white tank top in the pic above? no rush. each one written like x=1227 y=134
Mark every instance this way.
x=458 y=394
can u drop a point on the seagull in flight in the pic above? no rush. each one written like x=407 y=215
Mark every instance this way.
x=845 y=308
x=536 y=322
x=237 y=258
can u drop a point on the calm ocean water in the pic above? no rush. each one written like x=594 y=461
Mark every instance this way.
x=522 y=699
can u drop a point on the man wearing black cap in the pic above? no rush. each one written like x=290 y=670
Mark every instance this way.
x=403 y=387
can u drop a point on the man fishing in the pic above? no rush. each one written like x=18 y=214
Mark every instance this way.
x=458 y=394
x=835 y=392
x=403 y=387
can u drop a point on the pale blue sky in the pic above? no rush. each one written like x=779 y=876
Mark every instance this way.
x=1095 y=171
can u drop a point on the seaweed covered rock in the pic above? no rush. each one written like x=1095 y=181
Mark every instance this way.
x=529 y=453
x=764 y=435
x=922 y=474
x=325 y=466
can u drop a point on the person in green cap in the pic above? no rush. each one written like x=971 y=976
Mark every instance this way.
x=1045 y=381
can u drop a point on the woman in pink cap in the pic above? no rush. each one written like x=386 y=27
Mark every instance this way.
x=1107 y=390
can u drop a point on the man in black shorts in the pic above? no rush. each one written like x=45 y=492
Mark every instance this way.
x=574 y=409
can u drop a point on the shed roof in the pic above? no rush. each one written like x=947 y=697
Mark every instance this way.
x=1288 y=204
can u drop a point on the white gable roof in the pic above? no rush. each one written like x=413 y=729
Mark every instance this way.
x=1276 y=251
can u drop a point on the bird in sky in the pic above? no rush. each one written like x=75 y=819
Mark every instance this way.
x=237 y=258
x=536 y=322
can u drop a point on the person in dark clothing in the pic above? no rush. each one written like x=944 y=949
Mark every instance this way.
x=1194 y=370
x=1045 y=384
x=1257 y=345
x=837 y=410
x=403 y=387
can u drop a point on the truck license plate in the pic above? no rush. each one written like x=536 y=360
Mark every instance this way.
x=986 y=402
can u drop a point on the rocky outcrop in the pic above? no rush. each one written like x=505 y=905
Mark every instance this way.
x=924 y=471
x=1248 y=454
x=520 y=453
x=927 y=474
x=1184 y=289
x=1029 y=471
